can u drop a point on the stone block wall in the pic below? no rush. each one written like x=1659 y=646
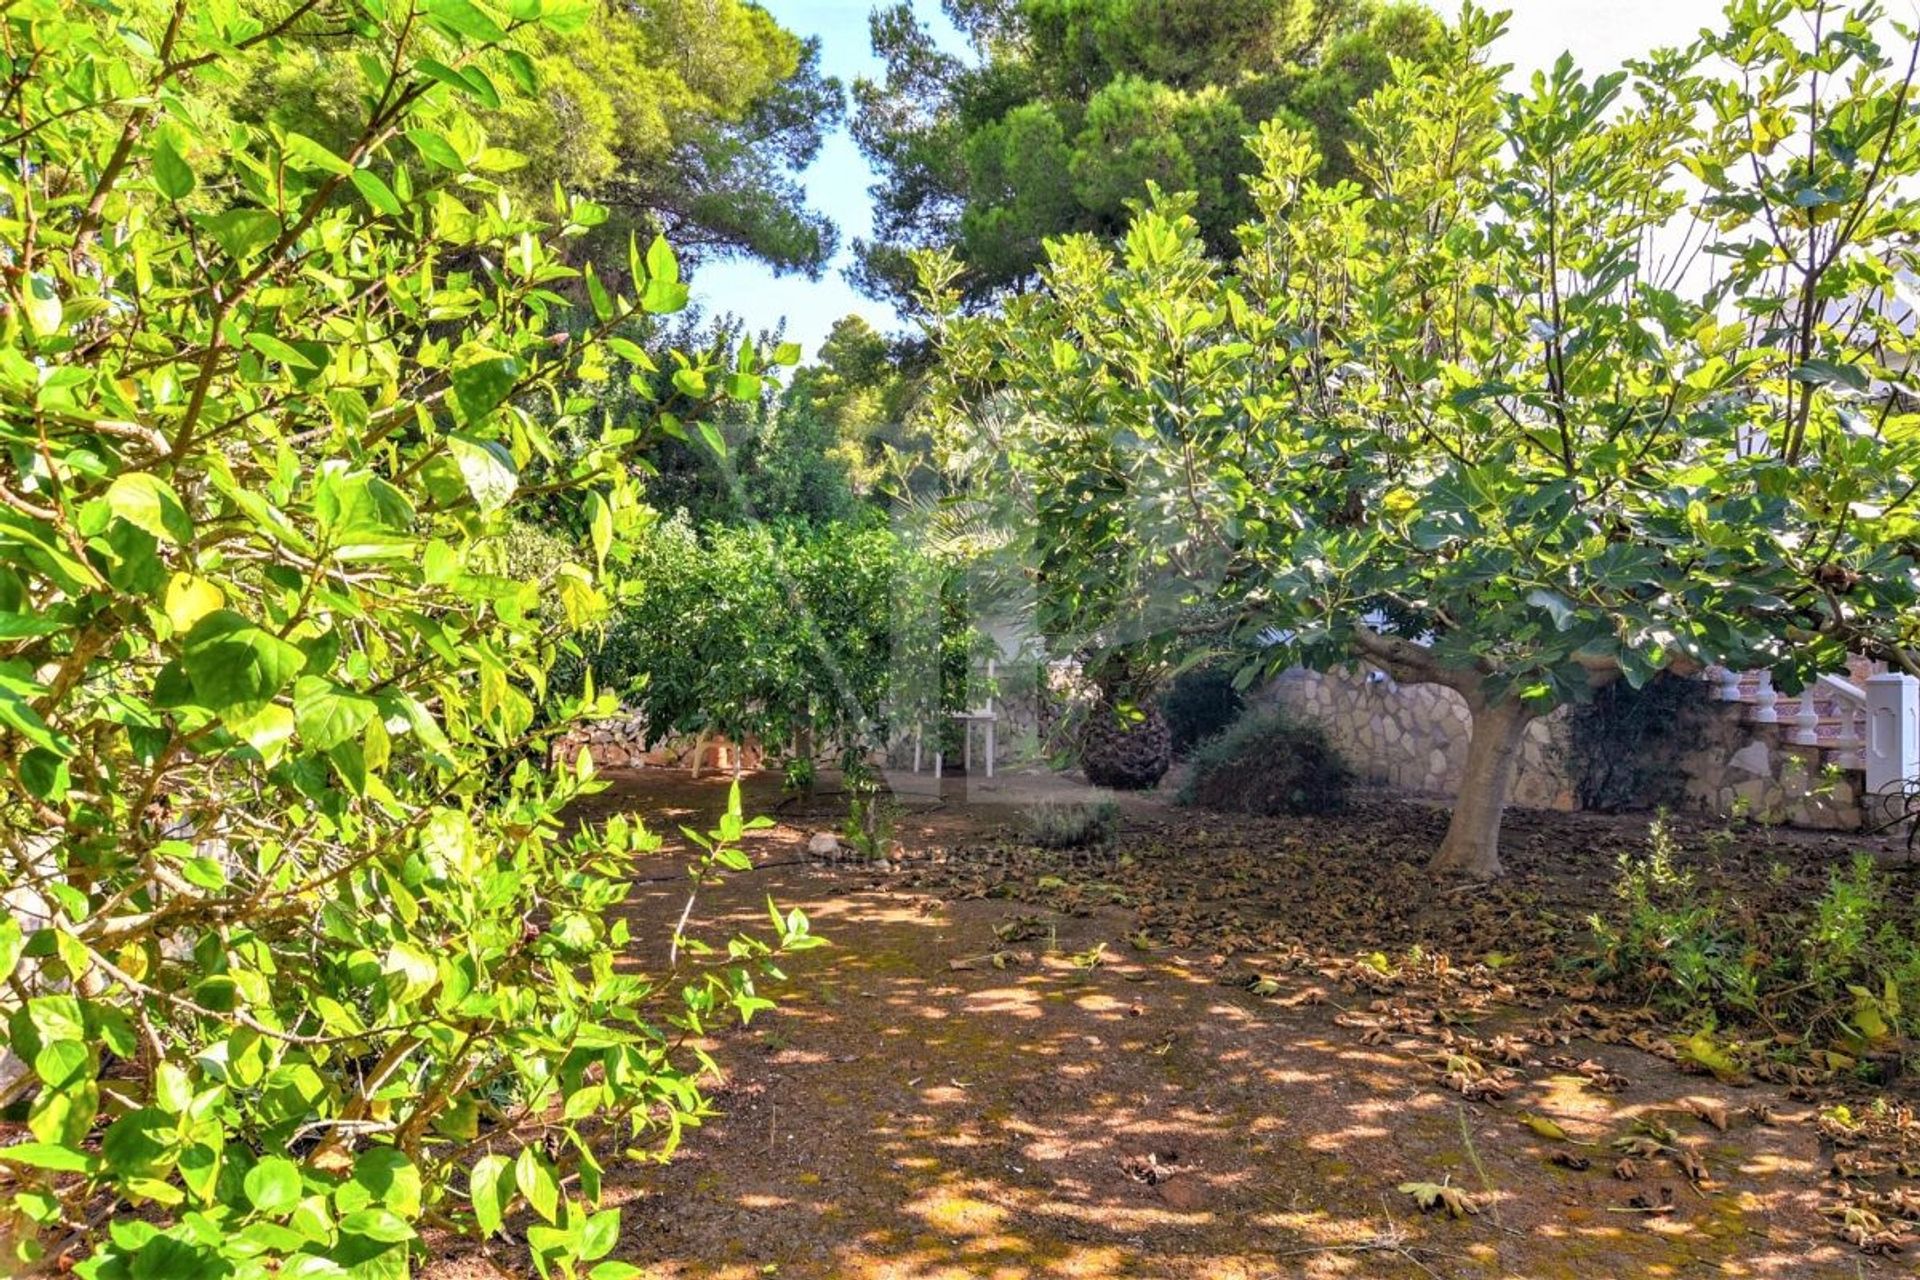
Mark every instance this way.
x=1413 y=738
x=622 y=743
x=1736 y=769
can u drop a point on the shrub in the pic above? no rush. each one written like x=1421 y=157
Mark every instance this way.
x=1624 y=742
x=300 y=952
x=1093 y=823
x=836 y=634
x=1201 y=704
x=1267 y=763
x=1838 y=973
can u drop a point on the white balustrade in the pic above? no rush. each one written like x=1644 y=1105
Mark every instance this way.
x=1764 y=698
x=1806 y=721
x=1893 y=732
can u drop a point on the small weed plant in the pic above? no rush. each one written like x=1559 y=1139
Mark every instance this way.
x=1828 y=976
x=1093 y=823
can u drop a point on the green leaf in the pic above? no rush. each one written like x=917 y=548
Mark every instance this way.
x=487 y=468
x=1829 y=373
x=392 y=1179
x=464 y=18
x=242 y=232
x=488 y=1193
x=149 y=503
x=53 y=1156
x=274 y=349
x=12 y=943
x=599 y=524
x=615 y=1270
x=536 y=1183
x=172 y=175
x=598 y=296
x=382 y=1225
x=327 y=715
x=273 y=1186
x=435 y=149
x=598 y=1235
x=1556 y=605
x=312 y=155
x=235 y=667
x=661 y=264
x=42 y=305
x=482 y=378
x=375 y=191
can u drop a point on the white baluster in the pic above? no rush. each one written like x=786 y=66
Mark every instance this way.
x=1726 y=684
x=1806 y=721
x=1764 y=698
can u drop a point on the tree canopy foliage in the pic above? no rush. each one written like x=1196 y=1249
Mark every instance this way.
x=1485 y=416
x=298 y=952
x=688 y=117
x=837 y=636
x=1076 y=105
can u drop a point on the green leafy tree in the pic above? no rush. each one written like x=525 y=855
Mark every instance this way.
x=865 y=389
x=690 y=118
x=1077 y=105
x=299 y=952
x=833 y=636
x=1472 y=421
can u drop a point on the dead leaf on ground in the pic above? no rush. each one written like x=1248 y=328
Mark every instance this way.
x=1441 y=1195
x=1659 y=1203
x=1154 y=1167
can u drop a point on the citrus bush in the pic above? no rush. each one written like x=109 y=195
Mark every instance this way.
x=299 y=953
x=843 y=634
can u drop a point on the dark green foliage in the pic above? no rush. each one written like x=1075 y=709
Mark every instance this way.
x=838 y=634
x=1266 y=764
x=1078 y=106
x=1199 y=704
x=1626 y=740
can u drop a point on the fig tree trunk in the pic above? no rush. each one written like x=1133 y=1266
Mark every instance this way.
x=1472 y=846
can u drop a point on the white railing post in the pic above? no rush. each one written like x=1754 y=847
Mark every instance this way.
x=1893 y=732
x=1806 y=721
x=1727 y=684
x=1764 y=697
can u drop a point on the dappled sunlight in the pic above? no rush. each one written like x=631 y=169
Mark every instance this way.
x=918 y=1110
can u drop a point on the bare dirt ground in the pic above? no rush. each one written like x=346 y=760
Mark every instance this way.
x=1177 y=1067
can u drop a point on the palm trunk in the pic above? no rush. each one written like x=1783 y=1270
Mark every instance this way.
x=1472 y=846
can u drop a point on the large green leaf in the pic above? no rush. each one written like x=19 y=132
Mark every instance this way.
x=482 y=379
x=487 y=468
x=236 y=667
x=148 y=502
x=328 y=715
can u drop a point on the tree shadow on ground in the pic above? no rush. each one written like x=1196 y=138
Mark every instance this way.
x=915 y=1112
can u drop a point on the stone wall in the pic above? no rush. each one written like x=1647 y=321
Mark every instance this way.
x=1413 y=738
x=622 y=743
x=1736 y=769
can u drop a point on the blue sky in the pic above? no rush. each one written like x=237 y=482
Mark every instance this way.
x=836 y=186
x=1600 y=32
